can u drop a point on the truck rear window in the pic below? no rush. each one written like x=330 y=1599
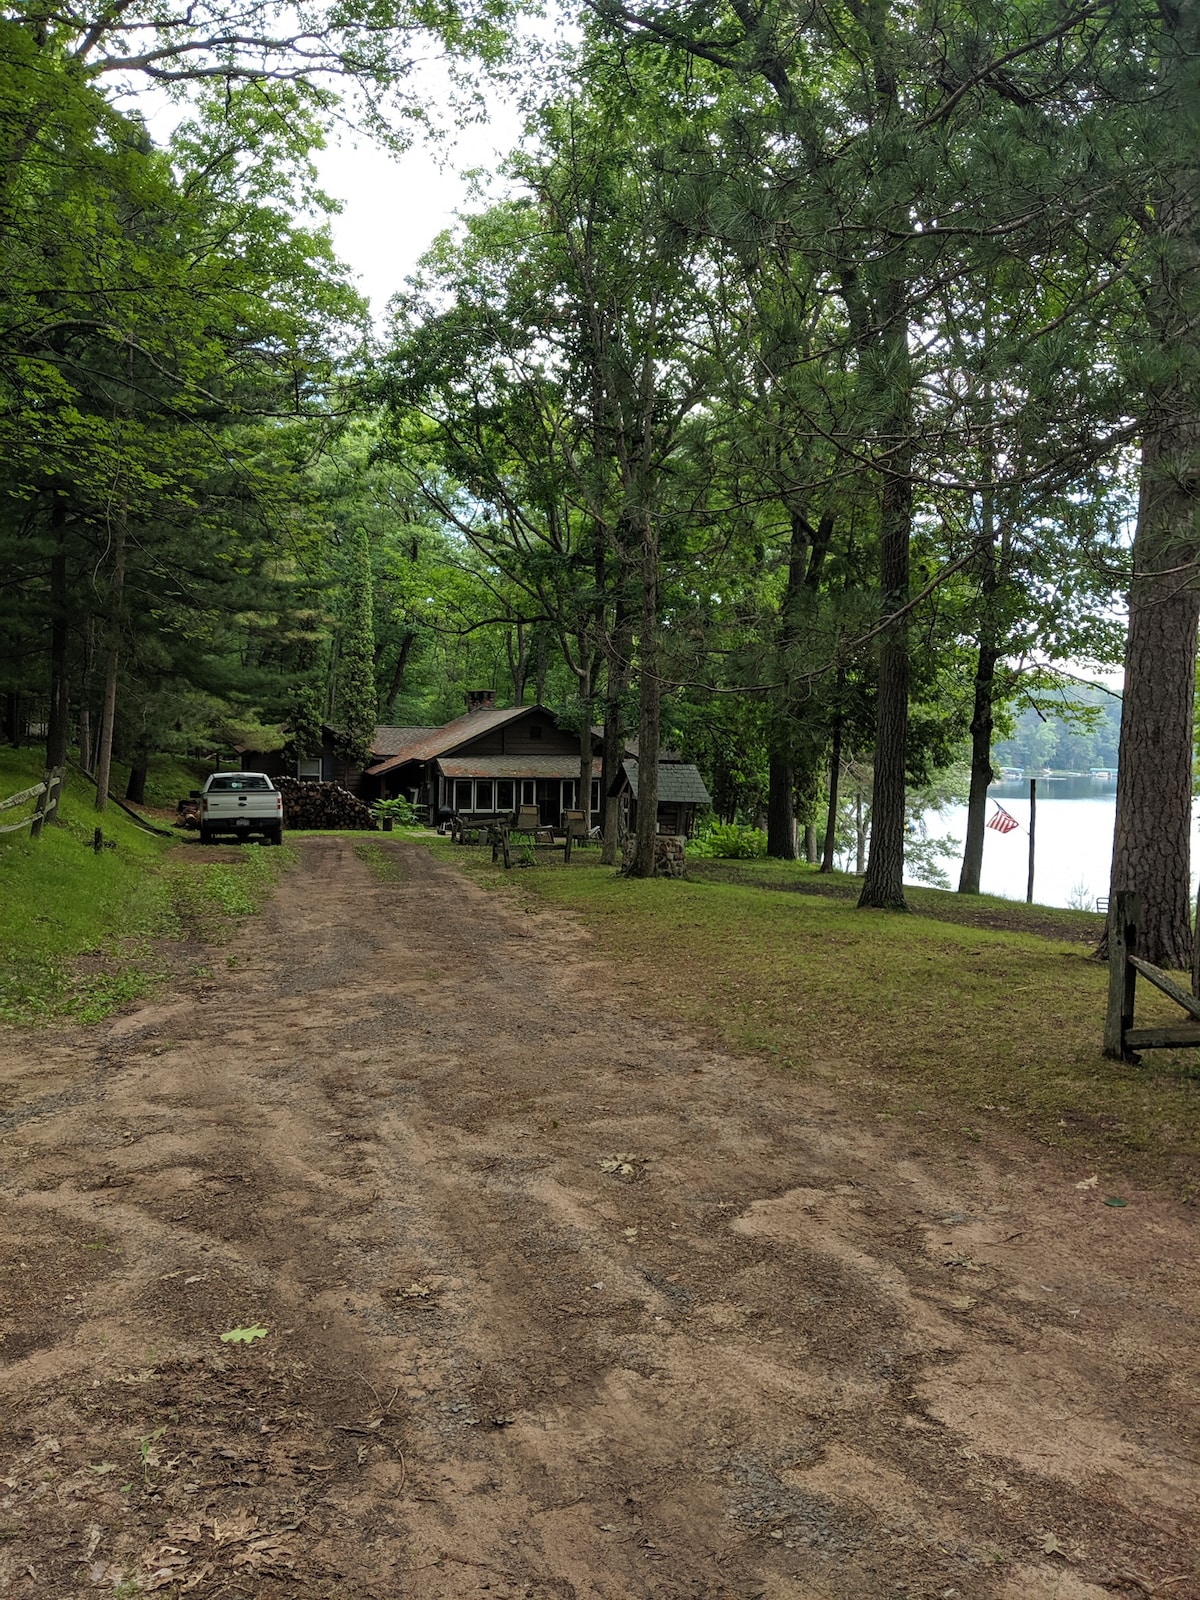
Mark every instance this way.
x=239 y=782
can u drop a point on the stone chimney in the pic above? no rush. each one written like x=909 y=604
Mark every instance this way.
x=480 y=699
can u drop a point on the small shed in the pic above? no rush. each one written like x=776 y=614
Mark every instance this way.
x=681 y=794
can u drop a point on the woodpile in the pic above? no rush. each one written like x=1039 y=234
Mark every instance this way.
x=321 y=805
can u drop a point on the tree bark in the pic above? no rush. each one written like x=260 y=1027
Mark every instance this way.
x=58 y=723
x=135 y=789
x=1152 y=836
x=518 y=661
x=616 y=681
x=112 y=659
x=835 y=777
x=644 y=864
x=388 y=709
x=781 y=815
x=981 y=766
x=883 y=885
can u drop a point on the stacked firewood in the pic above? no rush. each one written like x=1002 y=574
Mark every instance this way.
x=321 y=805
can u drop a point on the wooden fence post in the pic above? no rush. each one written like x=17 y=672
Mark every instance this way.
x=43 y=805
x=1123 y=913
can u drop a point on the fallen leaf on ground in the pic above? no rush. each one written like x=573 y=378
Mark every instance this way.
x=1089 y=1183
x=622 y=1165
x=243 y=1335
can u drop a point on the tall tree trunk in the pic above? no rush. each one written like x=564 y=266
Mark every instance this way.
x=616 y=682
x=860 y=836
x=135 y=789
x=583 y=800
x=835 y=775
x=86 y=753
x=58 y=723
x=781 y=776
x=541 y=665
x=12 y=718
x=883 y=886
x=388 y=710
x=781 y=815
x=111 y=663
x=518 y=660
x=981 y=764
x=808 y=787
x=1152 y=835
x=643 y=864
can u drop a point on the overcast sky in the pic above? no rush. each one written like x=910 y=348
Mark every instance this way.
x=394 y=208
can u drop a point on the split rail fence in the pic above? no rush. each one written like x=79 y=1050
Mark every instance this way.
x=47 y=794
x=1122 y=1040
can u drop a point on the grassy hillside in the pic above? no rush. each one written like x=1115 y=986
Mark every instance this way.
x=974 y=1014
x=82 y=934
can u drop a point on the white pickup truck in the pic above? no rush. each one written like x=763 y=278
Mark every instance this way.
x=241 y=803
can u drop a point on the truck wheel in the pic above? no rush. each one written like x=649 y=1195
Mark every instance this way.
x=276 y=835
x=206 y=836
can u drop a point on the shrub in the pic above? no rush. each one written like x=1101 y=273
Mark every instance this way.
x=399 y=810
x=728 y=841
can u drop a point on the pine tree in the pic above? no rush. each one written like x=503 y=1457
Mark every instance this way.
x=356 y=695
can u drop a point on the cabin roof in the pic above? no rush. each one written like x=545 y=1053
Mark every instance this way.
x=429 y=743
x=679 y=783
x=564 y=766
x=386 y=741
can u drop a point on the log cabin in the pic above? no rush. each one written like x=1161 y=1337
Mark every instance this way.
x=486 y=763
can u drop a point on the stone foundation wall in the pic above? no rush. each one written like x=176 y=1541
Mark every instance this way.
x=668 y=855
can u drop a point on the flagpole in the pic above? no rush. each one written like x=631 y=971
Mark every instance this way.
x=1032 y=832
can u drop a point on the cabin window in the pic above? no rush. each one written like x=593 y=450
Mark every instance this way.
x=535 y=730
x=309 y=767
x=505 y=795
x=485 y=795
x=528 y=792
x=595 y=796
x=462 y=794
x=568 y=794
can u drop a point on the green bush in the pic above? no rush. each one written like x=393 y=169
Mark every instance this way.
x=728 y=841
x=399 y=810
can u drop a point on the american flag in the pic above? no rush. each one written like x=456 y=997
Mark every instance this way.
x=1002 y=821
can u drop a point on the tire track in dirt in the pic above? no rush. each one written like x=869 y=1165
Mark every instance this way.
x=770 y=1352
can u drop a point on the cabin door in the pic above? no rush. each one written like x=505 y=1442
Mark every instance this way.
x=549 y=802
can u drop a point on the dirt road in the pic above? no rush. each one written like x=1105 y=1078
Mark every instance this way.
x=560 y=1302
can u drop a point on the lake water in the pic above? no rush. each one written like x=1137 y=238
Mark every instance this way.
x=1074 y=842
x=1073 y=848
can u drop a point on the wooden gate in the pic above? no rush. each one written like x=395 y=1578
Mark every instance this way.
x=1122 y=1040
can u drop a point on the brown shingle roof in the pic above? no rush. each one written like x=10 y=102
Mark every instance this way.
x=386 y=740
x=433 y=742
x=514 y=766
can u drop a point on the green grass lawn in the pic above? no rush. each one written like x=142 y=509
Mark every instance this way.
x=82 y=934
x=979 y=1028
